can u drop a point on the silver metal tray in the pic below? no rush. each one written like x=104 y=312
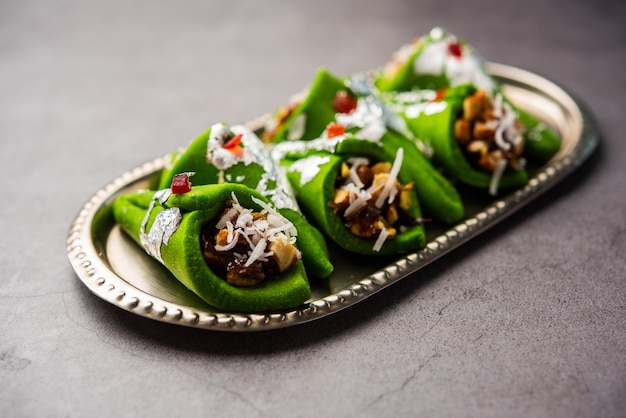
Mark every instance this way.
x=118 y=271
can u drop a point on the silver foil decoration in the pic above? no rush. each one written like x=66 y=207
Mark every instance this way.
x=281 y=150
x=368 y=116
x=308 y=167
x=375 y=112
x=164 y=225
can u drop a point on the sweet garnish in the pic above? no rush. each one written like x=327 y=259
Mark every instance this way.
x=344 y=102
x=455 y=49
x=234 y=145
x=233 y=142
x=335 y=129
x=181 y=184
x=439 y=96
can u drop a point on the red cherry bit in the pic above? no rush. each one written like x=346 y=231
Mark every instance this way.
x=181 y=184
x=455 y=49
x=439 y=96
x=233 y=142
x=335 y=129
x=344 y=102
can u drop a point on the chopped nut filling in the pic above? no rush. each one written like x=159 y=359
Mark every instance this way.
x=489 y=132
x=246 y=247
x=368 y=206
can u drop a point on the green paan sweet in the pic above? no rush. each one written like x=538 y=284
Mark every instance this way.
x=198 y=233
x=330 y=99
x=354 y=195
x=482 y=151
x=477 y=135
x=480 y=141
x=225 y=154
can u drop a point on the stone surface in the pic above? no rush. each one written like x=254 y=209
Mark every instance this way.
x=527 y=320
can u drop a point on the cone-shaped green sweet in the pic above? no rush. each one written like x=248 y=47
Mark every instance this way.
x=251 y=165
x=437 y=197
x=435 y=124
x=182 y=254
x=313 y=174
x=440 y=60
x=433 y=121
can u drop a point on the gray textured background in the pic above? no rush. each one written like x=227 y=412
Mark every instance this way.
x=527 y=320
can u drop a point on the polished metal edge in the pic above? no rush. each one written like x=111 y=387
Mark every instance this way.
x=104 y=283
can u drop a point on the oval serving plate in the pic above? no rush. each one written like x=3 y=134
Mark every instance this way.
x=118 y=271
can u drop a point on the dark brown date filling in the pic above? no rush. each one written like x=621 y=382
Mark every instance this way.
x=232 y=265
